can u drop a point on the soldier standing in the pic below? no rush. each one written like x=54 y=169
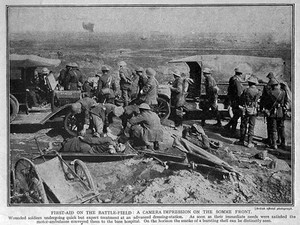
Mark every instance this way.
x=73 y=78
x=235 y=90
x=125 y=82
x=249 y=104
x=211 y=90
x=177 y=98
x=266 y=91
x=275 y=104
x=142 y=78
x=149 y=91
x=106 y=86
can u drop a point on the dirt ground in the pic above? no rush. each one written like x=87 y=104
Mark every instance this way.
x=145 y=180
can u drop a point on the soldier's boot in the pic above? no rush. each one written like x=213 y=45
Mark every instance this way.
x=250 y=142
x=274 y=140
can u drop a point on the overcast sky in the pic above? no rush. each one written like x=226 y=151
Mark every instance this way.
x=176 y=20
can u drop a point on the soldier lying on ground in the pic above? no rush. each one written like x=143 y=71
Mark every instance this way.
x=92 y=145
x=197 y=136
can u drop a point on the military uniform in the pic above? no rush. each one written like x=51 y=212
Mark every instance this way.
x=73 y=79
x=211 y=89
x=235 y=90
x=125 y=84
x=249 y=103
x=146 y=128
x=275 y=103
x=149 y=95
x=263 y=101
x=177 y=99
x=106 y=89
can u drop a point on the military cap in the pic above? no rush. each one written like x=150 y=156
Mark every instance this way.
x=176 y=73
x=238 y=71
x=207 y=70
x=45 y=70
x=253 y=80
x=122 y=63
x=104 y=68
x=150 y=72
x=273 y=81
x=270 y=75
x=139 y=69
x=144 y=106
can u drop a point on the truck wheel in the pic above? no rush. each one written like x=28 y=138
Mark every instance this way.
x=14 y=109
x=162 y=109
x=71 y=124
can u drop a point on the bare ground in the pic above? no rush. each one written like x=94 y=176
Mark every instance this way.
x=144 y=180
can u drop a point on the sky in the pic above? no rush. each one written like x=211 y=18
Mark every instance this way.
x=173 y=20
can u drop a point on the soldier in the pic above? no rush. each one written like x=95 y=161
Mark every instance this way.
x=87 y=108
x=149 y=92
x=275 y=104
x=106 y=87
x=73 y=77
x=146 y=128
x=125 y=82
x=33 y=90
x=177 y=98
x=235 y=90
x=142 y=78
x=211 y=90
x=248 y=104
x=266 y=91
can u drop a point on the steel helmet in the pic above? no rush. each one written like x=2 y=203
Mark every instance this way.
x=238 y=71
x=139 y=69
x=122 y=63
x=270 y=75
x=144 y=106
x=253 y=80
x=150 y=72
x=104 y=68
x=118 y=111
x=176 y=73
x=45 y=70
x=273 y=81
x=207 y=71
x=76 y=107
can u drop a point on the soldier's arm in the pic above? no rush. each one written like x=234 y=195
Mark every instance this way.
x=100 y=85
x=178 y=88
x=136 y=120
x=239 y=87
x=147 y=87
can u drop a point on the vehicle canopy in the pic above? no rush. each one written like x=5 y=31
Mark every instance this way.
x=21 y=73
x=22 y=69
x=27 y=61
x=223 y=66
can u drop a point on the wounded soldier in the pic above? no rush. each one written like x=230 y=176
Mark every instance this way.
x=92 y=145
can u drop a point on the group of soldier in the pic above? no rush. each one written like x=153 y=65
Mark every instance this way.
x=245 y=103
x=100 y=103
x=140 y=123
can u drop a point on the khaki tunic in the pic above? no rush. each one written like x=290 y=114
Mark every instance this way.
x=147 y=127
